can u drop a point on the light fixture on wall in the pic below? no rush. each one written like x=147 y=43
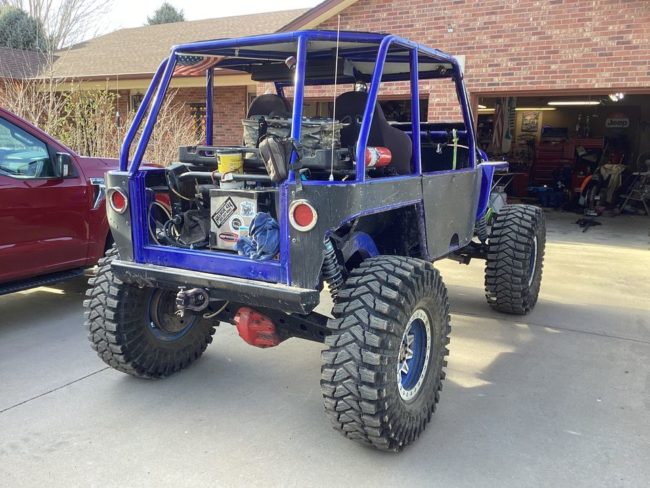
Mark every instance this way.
x=574 y=103
x=616 y=97
x=534 y=109
x=450 y=28
x=481 y=106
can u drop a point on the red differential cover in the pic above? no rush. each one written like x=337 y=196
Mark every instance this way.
x=256 y=328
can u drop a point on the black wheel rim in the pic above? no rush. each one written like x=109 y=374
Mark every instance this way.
x=162 y=318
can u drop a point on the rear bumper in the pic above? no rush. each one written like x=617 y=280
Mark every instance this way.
x=254 y=293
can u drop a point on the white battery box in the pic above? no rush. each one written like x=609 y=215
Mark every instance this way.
x=232 y=212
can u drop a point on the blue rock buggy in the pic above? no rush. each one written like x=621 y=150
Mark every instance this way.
x=343 y=198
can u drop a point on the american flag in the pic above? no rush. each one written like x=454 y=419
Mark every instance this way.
x=497 y=135
x=187 y=65
x=508 y=123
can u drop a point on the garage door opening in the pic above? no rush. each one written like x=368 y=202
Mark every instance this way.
x=566 y=150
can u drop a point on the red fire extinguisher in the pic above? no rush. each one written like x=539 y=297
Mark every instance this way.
x=378 y=157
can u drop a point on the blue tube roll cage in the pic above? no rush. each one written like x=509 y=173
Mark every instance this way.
x=279 y=271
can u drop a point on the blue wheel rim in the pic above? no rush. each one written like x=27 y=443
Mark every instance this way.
x=163 y=322
x=414 y=354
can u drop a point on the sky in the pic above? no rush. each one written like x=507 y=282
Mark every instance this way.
x=134 y=13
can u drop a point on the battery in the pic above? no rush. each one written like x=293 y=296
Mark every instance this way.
x=232 y=211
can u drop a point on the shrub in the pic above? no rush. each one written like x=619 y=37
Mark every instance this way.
x=88 y=122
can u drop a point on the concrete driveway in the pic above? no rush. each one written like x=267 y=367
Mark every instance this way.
x=557 y=398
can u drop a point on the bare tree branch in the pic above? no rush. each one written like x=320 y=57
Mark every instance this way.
x=65 y=21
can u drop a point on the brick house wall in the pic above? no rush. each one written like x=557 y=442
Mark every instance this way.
x=229 y=107
x=230 y=104
x=441 y=94
x=123 y=104
x=510 y=46
x=521 y=46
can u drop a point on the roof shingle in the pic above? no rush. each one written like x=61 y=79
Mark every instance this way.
x=20 y=64
x=139 y=50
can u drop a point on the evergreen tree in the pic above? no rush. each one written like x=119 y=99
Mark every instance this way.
x=166 y=14
x=20 y=31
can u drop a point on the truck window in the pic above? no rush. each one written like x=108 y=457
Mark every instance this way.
x=21 y=154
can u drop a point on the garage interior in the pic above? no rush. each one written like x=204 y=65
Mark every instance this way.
x=583 y=153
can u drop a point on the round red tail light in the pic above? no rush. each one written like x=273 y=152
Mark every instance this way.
x=117 y=200
x=302 y=215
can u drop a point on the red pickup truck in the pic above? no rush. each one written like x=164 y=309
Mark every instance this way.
x=52 y=211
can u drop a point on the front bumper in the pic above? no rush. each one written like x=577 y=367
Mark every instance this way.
x=289 y=299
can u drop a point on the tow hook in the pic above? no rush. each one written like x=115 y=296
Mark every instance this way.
x=196 y=299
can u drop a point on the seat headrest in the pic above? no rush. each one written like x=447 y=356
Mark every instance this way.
x=269 y=104
x=352 y=105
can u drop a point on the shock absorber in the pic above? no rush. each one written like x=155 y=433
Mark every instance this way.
x=331 y=269
x=482 y=230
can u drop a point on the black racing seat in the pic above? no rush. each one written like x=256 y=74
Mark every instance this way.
x=349 y=109
x=269 y=104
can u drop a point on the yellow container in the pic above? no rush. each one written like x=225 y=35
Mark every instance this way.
x=230 y=161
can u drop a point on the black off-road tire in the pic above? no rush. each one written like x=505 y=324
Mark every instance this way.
x=117 y=321
x=359 y=378
x=515 y=259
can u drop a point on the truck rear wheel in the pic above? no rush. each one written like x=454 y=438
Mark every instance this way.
x=515 y=258
x=382 y=374
x=135 y=330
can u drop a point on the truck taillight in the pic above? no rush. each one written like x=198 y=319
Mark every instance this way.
x=302 y=215
x=117 y=200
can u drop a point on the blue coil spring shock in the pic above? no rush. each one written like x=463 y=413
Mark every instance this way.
x=331 y=269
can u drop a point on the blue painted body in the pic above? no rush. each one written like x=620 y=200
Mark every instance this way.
x=362 y=243
x=280 y=271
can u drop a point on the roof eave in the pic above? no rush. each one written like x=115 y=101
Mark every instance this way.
x=317 y=15
x=127 y=76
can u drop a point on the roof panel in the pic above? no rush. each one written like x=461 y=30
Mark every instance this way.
x=264 y=56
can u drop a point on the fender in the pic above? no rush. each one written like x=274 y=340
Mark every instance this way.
x=487 y=174
x=359 y=242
